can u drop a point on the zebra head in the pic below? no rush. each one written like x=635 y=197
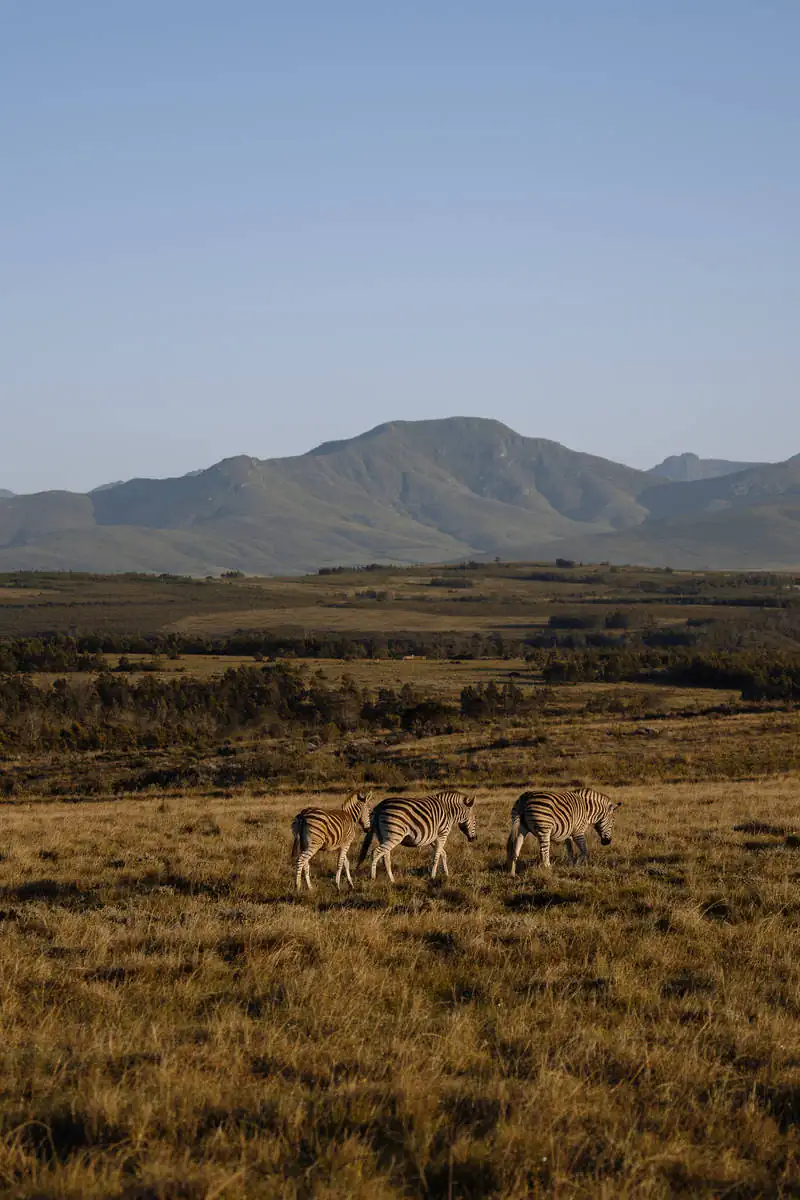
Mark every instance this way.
x=466 y=821
x=605 y=822
x=357 y=806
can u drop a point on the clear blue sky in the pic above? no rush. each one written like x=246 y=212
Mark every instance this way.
x=248 y=227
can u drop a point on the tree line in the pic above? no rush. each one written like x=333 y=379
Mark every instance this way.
x=113 y=710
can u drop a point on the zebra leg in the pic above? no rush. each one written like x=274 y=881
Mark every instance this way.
x=570 y=852
x=443 y=860
x=347 y=870
x=303 y=869
x=438 y=852
x=580 y=842
x=516 y=851
x=339 y=866
x=544 y=849
x=383 y=854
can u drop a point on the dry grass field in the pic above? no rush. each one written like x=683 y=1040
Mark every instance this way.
x=177 y=1023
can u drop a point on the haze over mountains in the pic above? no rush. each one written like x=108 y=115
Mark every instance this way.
x=416 y=491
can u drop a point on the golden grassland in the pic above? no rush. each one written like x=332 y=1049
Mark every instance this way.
x=178 y=1023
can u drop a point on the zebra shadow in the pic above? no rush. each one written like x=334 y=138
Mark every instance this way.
x=284 y=898
x=530 y=901
x=64 y=894
x=533 y=866
x=354 y=902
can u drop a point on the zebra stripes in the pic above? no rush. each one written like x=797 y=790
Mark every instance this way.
x=405 y=821
x=559 y=817
x=318 y=829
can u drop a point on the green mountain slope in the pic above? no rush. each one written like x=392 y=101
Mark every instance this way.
x=423 y=491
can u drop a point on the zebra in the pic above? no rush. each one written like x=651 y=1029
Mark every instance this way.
x=404 y=821
x=317 y=829
x=559 y=817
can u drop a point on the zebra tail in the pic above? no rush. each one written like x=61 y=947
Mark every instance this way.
x=297 y=829
x=365 y=845
x=512 y=837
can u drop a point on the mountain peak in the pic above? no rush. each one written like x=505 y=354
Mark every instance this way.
x=434 y=427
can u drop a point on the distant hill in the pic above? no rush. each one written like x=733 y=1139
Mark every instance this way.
x=409 y=491
x=762 y=536
x=5 y=494
x=686 y=468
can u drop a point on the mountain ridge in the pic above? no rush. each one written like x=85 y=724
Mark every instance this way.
x=408 y=491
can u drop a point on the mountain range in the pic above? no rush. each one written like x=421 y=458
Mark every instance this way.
x=416 y=491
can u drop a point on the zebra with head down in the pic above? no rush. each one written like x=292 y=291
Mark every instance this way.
x=559 y=817
x=405 y=821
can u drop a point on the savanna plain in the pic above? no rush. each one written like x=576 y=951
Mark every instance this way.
x=178 y=1021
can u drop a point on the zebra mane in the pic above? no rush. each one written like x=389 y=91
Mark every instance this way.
x=355 y=800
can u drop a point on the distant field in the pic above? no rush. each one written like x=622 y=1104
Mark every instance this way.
x=444 y=678
x=11 y=595
x=177 y=1023
x=321 y=618
x=500 y=596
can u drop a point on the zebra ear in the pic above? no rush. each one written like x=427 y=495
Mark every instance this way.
x=470 y=800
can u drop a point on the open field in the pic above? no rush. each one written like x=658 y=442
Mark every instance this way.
x=177 y=1023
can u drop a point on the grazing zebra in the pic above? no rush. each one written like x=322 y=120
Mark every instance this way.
x=404 y=821
x=559 y=817
x=317 y=829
